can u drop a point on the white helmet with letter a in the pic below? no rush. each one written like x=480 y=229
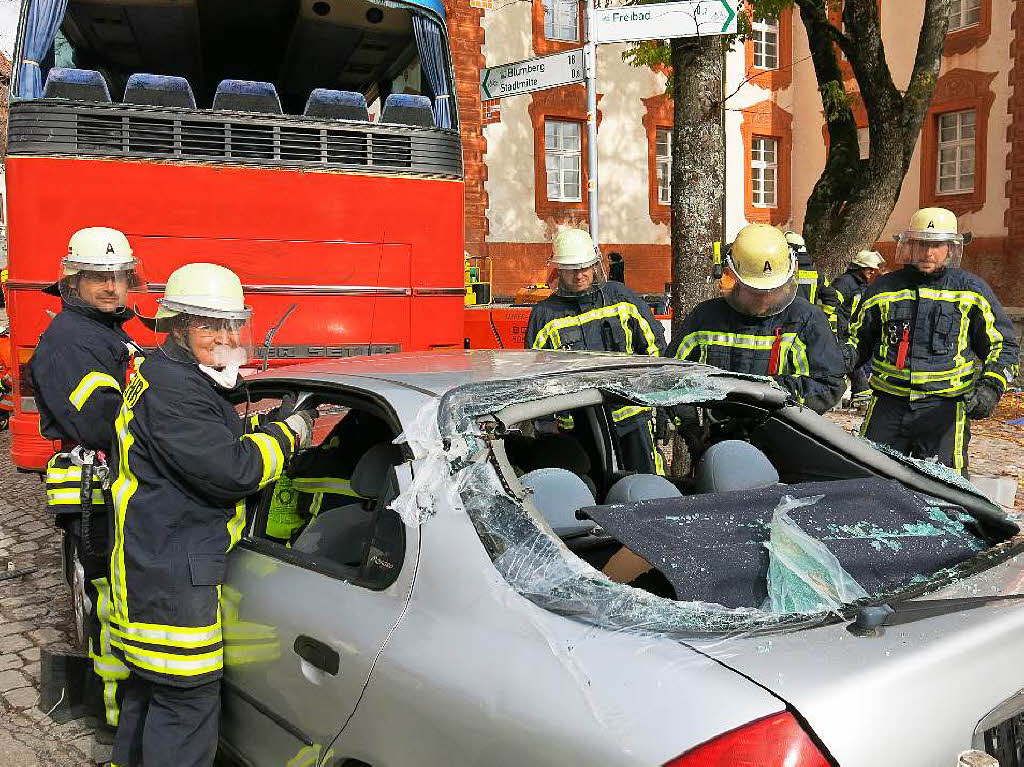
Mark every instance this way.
x=761 y=277
x=203 y=317
x=103 y=259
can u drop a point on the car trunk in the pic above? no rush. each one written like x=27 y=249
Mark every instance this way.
x=915 y=694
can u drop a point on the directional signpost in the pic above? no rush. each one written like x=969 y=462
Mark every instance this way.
x=532 y=75
x=661 y=21
x=630 y=23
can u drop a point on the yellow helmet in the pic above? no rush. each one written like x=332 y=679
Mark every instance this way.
x=760 y=257
x=932 y=241
x=934 y=223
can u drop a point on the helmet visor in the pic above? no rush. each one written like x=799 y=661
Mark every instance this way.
x=216 y=342
x=929 y=252
x=579 y=281
x=758 y=303
x=104 y=287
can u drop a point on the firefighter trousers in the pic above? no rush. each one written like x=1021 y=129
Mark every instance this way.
x=639 y=451
x=108 y=667
x=165 y=726
x=935 y=427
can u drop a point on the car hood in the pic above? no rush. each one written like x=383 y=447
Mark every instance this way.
x=915 y=694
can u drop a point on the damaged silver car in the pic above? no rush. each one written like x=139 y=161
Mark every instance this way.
x=470 y=577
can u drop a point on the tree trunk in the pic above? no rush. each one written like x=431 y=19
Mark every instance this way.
x=698 y=144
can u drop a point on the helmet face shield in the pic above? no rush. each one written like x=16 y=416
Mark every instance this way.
x=103 y=287
x=580 y=281
x=752 y=302
x=929 y=252
x=222 y=343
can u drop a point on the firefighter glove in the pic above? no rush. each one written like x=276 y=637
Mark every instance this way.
x=981 y=401
x=301 y=423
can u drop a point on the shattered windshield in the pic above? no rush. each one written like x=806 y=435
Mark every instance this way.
x=789 y=551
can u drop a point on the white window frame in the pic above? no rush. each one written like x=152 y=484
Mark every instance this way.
x=759 y=187
x=960 y=13
x=763 y=31
x=562 y=20
x=558 y=160
x=958 y=146
x=663 y=165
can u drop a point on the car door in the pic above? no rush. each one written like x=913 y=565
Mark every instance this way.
x=302 y=634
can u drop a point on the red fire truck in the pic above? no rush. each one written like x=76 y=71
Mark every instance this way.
x=310 y=145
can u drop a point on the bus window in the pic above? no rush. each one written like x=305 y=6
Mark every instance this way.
x=292 y=47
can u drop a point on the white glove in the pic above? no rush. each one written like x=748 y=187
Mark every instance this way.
x=301 y=423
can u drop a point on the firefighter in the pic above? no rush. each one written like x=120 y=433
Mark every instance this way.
x=811 y=285
x=184 y=463
x=940 y=346
x=586 y=313
x=849 y=288
x=78 y=370
x=761 y=325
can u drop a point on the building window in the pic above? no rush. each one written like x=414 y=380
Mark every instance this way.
x=562 y=156
x=864 y=142
x=765 y=32
x=964 y=13
x=956 y=152
x=561 y=20
x=764 y=167
x=663 y=164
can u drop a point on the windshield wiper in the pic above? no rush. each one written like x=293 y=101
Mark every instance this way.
x=870 y=619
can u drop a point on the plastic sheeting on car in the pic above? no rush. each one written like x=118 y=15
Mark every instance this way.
x=454 y=470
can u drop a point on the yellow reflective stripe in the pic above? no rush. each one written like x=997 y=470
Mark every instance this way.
x=288 y=435
x=271 y=455
x=90 y=382
x=71 y=496
x=996 y=376
x=789 y=356
x=57 y=474
x=254 y=421
x=236 y=524
x=628 y=411
x=334 y=485
x=624 y=310
x=174 y=636
x=961 y=429
x=923 y=376
x=801 y=365
x=122 y=490
x=659 y=461
x=176 y=665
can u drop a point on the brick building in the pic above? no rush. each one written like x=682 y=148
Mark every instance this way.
x=525 y=155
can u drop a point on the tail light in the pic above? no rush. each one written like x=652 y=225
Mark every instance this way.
x=775 y=741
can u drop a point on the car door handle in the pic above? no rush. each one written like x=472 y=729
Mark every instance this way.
x=317 y=653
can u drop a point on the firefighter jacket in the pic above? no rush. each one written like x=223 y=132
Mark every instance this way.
x=932 y=335
x=810 y=283
x=848 y=290
x=796 y=347
x=77 y=370
x=611 y=319
x=183 y=464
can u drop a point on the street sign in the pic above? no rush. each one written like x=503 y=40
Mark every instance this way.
x=662 y=21
x=531 y=75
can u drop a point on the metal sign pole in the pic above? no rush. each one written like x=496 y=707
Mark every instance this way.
x=590 y=70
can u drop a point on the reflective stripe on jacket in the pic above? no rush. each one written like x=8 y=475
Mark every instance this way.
x=954 y=329
x=849 y=288
x=183 y=464
x=810 y=363
x=612 y=319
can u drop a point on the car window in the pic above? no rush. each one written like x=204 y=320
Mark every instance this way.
x=329 y=509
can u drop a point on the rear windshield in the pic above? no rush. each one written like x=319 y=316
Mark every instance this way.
x=292 y=47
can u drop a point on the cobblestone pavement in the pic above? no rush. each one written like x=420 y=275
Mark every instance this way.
x=35 y=612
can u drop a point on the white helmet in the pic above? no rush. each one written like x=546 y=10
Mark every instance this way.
x=868 y=259
x=573 y=249
x=203 y=318
x=106 y=256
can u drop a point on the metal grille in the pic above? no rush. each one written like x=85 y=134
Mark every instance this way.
x=54 y=127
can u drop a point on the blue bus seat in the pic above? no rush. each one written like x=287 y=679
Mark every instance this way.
x=159 y=91
x=247 y=96
x=408 y=109
x=76 y=84
x=337 y=105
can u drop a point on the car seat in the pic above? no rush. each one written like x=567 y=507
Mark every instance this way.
x=734 y=465
x=558 y=494
x=641 y=487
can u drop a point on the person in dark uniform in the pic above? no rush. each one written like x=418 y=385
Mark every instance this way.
x=849 y=288
x=940 y=346
x=184 y=463
x=762 y=326
x=78 y=369
x=811 y=285
x=616 y=268
x=586 y=313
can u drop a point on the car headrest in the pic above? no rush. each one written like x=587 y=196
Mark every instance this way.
x=641 y=487
x=734 y=465
x=336 y=105
x=408 y=109
x=247 y=96
x=76 y=84
x=371 y=473
x=558 y=494
x=159 y=90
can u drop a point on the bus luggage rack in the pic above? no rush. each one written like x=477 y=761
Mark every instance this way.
x=71 y=128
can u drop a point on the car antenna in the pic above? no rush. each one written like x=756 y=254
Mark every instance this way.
x=272 y=332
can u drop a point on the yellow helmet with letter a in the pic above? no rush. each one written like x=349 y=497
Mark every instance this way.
x=764 y=268
x=932 y=241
